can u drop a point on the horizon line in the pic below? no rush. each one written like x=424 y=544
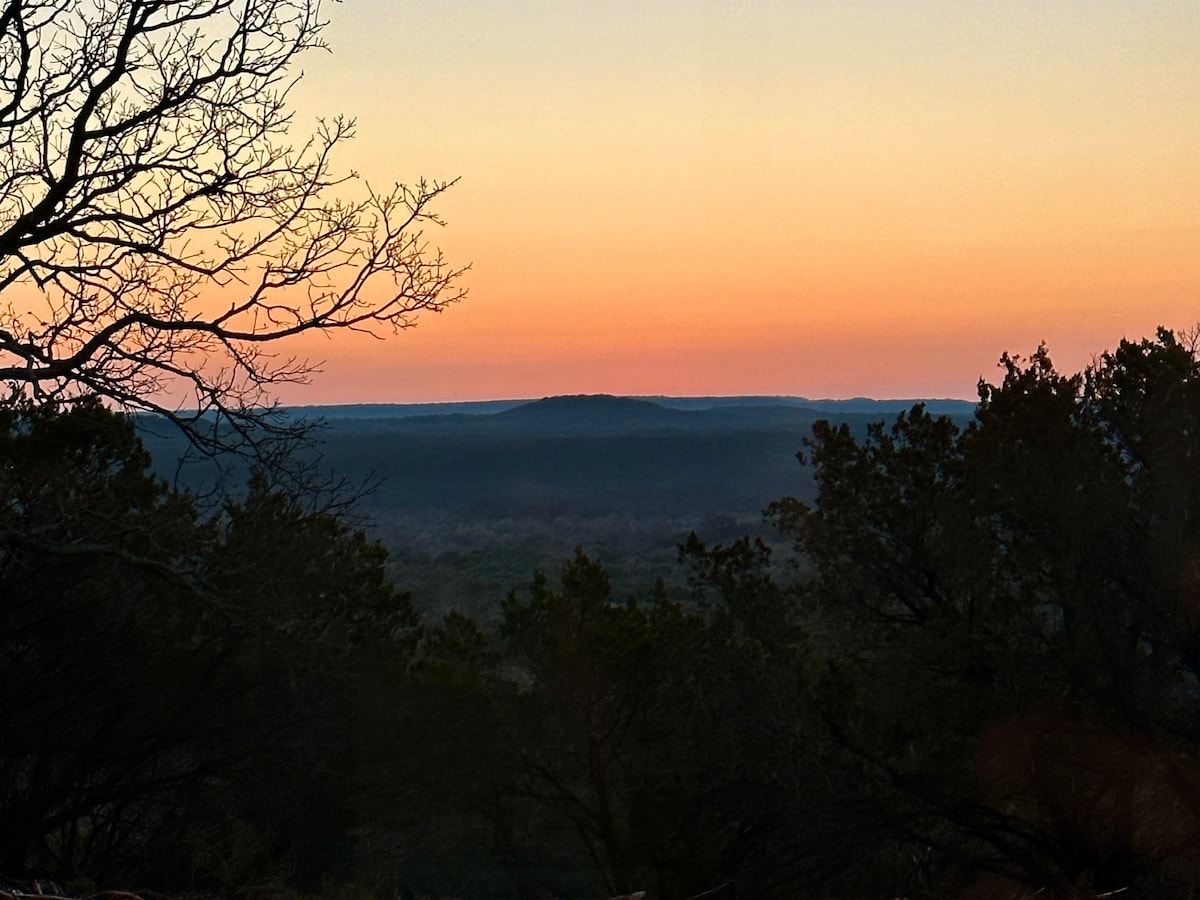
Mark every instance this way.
x=647 y=397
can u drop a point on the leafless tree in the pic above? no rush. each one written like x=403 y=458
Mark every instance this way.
x=162 y=229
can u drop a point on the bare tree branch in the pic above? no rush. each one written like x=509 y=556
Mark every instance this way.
x=159 y=232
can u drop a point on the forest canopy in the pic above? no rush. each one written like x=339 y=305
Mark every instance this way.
x=970 y=664
x=973 y=669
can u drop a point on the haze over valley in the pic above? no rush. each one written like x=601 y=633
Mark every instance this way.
x=471 y=498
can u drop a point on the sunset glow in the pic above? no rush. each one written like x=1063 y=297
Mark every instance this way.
x=824 y=199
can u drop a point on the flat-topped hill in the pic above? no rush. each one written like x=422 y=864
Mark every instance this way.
x=593 y=411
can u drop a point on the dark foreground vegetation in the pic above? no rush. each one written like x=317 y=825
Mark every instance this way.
x=979 y=675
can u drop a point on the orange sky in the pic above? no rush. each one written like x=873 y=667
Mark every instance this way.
x=826 y=199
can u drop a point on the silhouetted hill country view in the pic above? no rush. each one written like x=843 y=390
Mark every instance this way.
x=613 y=645
x=263 y=640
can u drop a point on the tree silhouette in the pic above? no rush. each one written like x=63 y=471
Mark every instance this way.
x=173 y=686
x=1007 y=628
x=160 y=232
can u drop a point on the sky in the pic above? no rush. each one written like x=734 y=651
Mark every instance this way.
x=827 y=199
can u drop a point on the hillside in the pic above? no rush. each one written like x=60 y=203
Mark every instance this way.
x=470 y=498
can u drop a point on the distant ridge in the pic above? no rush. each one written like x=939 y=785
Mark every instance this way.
x=405 y=410
x=635 y=407
x=868 y=405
